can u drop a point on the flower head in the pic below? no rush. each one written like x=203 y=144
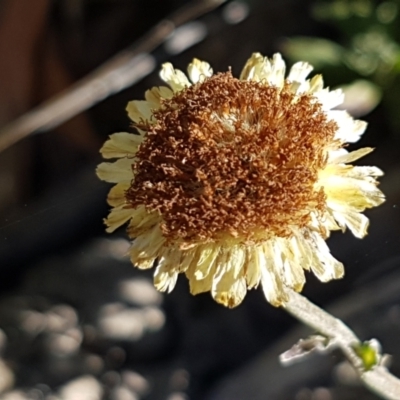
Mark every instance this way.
x=237 y=182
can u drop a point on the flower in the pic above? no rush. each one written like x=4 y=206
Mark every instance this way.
x=237 y=182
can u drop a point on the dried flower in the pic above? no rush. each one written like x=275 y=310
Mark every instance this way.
x=238 y=181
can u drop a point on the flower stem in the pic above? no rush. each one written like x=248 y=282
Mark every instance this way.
x=378 y=379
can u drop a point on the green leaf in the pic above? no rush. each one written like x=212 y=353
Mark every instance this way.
x=318 y=52
x=368 y=355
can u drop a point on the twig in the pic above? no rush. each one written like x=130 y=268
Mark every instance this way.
x=377 y=378
x=120 y=72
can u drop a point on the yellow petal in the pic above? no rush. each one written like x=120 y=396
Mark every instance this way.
x=139 y=111
x=345 y=193
x=252 y=268
x=352 y=156
x=248 y=70
x=270 y=278
x=199 y=70
x=119 y=171
x=208 y=256
x=299 y=72
x=227 y=289
x=117 y=217
x=232 y=294
x=331 y=268
x=147 y=247
x=316 y=84
x=116 y=196
x=166 y=273
x=278 y=68
x=349 y=129
x=154 y=96
x=121 y=144
x=329 y=99
x=292 y=269
x=355 y=221
x=198 y=286
x=175 y=78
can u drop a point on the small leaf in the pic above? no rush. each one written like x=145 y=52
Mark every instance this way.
x=368 y=354
x=304 y=348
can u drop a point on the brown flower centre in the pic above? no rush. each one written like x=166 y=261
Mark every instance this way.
x=232 y=158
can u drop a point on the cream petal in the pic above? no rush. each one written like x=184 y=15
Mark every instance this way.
x=189 y=257
x=349 y=193
x=299 y=72
x=142 y=221
x=261 y=71
x=166 y=92
x=278 y=68
x=352 y=156
x=270 y=278
x=223 y=265
x=363 y=172
x=342 y=171
x=117 y=217
x=207 y=258
x=140 y=214
x=329 y=222
x=355 y=221
x=316 y=84
x=349 y=130
x=303 y=250
x=232 y=295
x=199 y=70
x=252 y=267
x=226 y=288
x=201 y=285
x=139 y=111
x=292 y=268
x=118 y=171
x=116 y=196
x=319 y=259
x=329 y=99
x=334 y=154
x=249 y=68
x=356 y=131
x=153 y=98
x=198 y=286
x=237 y=258
x=165 y=280
x=301 y=88
x=147 y=246
x=166 y=273
x=121 y=144
x=296 y=87
x=310 y=262
x=144 y=262
x=175 y=78
x=259 y=68
x=155 y=95
x=332 y=268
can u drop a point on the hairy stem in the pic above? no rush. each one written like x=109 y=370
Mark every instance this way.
x=378 y=378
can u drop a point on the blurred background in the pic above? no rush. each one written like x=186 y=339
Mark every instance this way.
x=76 y=320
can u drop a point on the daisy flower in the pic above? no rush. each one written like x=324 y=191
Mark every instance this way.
x=237 y=182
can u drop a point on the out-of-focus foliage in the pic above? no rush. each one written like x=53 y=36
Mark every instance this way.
x=366 y=53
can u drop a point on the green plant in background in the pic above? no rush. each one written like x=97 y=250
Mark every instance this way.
x=366 y=54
